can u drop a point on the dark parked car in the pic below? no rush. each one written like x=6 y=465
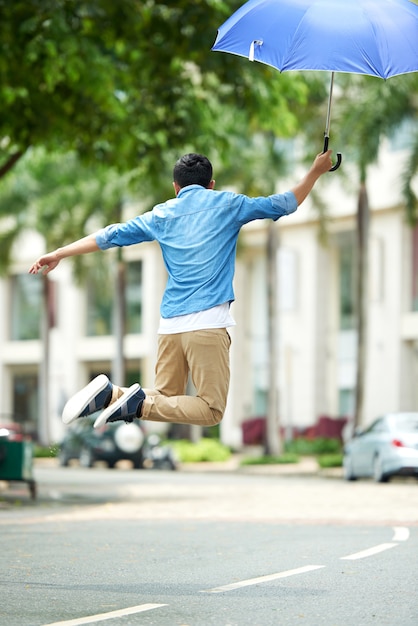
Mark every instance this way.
x=387 y=448
x=113 y=443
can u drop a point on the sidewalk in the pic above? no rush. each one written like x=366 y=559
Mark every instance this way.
x=307 y=466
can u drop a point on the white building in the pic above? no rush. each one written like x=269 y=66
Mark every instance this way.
x=315 y=321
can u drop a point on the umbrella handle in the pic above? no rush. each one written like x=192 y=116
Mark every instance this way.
x=339 y=155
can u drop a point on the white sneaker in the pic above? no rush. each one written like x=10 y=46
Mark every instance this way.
x=93 y=397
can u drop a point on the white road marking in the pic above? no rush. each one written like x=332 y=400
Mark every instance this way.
x=101 y=617
x=264 y=579
x=370 y=552
x=401 y=533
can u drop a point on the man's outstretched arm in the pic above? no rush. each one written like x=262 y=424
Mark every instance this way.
x=321 y=165
x=47 y=262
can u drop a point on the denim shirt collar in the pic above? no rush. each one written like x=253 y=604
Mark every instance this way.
x=184 y=190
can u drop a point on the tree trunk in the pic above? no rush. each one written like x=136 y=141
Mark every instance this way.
x=47 y=322
x=363 y=219
x=273 y=440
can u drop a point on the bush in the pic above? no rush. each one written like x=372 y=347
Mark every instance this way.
x=271 y=460
x=42 y=452
x=330 y=460
x=207 y=450
x=313 y=447
x=328 y=452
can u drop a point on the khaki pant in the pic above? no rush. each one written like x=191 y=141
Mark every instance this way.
x=205 y=353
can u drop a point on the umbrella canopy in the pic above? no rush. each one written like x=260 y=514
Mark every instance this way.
x=374 y=37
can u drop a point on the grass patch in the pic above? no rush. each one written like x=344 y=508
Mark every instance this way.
x=205 y=450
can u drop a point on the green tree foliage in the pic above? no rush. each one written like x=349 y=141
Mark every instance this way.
x=129 y=83
x=372 y=109
x=126 y=87
x=56 y=196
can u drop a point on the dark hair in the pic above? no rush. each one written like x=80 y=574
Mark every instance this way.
x=193 y=169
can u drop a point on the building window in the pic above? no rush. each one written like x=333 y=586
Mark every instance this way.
x=25 y=402
x=376 y=270
x=415 y=269
x=134 y=297
x=402 y=136
x=347 y=283
x=100 y=300
x=26 y=306
x=346 y=402
x=288 y=279
x=133 y=371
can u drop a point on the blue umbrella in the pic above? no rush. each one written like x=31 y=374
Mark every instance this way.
x=374 y=37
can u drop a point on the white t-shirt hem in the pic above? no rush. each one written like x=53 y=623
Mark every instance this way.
x=216 y=317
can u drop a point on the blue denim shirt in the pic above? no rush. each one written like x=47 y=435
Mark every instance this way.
x=197 y=232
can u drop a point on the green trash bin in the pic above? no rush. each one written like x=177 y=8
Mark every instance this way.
x=16 y=463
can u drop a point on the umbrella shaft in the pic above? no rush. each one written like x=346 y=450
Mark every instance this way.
x=327 y=124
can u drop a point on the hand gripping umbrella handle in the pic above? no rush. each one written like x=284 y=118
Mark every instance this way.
x=339 y=155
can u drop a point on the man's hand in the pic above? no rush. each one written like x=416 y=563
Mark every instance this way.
x=45 y=263
x=50 y=261
x=322 y=162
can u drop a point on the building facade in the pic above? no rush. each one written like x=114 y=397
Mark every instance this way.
x=316 y=303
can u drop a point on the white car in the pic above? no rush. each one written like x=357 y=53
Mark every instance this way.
x=387 y=448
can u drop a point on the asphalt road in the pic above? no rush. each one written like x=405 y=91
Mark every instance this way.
x=200 y=549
